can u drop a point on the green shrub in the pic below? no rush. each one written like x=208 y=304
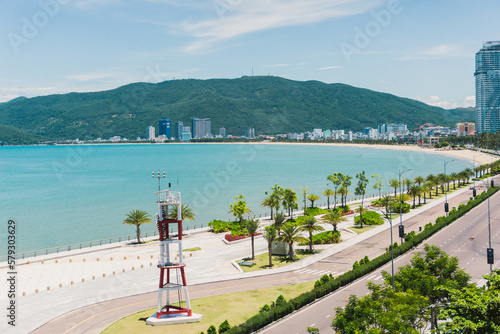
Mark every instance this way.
x=315 y=211
x=428 y=225
x=405 y=207
x=265 y=308
x=355 y=265
x=212 y=330
x=370 y=218
x=344 y=208
x=324 y=238
x=410 y=236
x=280 y=300
x=224 y=326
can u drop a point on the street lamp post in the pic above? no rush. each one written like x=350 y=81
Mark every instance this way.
x=489 y=221
x=401 y=202
x=446 y=209
x=389 y=217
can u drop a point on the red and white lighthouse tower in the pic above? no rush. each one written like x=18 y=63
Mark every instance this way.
x=175 y=307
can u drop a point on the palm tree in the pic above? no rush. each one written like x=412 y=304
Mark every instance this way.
x=311 y=225
x=289 y=235
x=394 y=183
x=279 y=219
x=423 y=190
x=360 y=209
x=414 y=192
x=343 y=191
x=419 y=180
x=186 y=212
x=442 y=181
x=433 y=181
x=378 y=184
x=333 y=218
x=328 y=193
x=387 y=202
x=408 y=183
x=468 y=173
x=312 y=198
x=336 y=180
x=452 y=178
x=289 y=200
x=137 y=218
x=239 y=208
x=268 y=201
x=252 y=226
x=429 y=185
x=270 y=236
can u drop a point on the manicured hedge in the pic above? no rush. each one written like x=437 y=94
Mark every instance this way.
x=262 y=319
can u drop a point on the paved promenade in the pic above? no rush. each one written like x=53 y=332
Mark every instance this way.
x=52 y=285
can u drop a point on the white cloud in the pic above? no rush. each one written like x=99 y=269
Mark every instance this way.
x=468 y=101
x=439 y=51
x=252 y=16
x=330 y=67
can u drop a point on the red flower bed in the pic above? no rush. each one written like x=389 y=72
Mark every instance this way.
x=230 y=237
x=345 y=213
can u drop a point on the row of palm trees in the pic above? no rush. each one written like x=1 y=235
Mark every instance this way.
x=420 y=186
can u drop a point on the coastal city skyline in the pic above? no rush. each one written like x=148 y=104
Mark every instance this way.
x=182 y=47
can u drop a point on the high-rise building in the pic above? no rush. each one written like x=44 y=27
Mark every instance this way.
x=222 y=132
x=201 y=128
x=488 y=88
x=250 y=133
x=165 y=128
x=466 y=128
x=179 y=127
x=151 y=133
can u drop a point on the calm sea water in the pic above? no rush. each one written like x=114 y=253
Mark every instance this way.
x=61 y=195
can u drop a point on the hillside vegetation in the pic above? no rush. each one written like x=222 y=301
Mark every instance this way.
x=269 y=104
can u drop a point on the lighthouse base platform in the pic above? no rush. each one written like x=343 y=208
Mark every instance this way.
x=172 y=319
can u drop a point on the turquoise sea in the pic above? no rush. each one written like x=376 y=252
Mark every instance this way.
x=61 y=195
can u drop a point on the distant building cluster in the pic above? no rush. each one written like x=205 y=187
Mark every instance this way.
x=386 y=131
x=200 y=128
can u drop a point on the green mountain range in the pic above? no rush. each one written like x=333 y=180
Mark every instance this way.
x=269 y=104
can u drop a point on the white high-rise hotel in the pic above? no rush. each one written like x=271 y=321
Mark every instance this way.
x=488 y=88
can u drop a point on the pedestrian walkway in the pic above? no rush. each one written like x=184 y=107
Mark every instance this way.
x=55 y=284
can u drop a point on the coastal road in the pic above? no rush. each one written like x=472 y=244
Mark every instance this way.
x=94 y=318
x=467 y=239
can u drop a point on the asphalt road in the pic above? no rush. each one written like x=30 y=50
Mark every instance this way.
x=466 y=238
x=94 y=318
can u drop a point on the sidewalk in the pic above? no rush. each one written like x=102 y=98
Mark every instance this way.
x=70 y=280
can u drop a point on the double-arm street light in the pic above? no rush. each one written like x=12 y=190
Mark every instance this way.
x=401 y=228
x=446 y=209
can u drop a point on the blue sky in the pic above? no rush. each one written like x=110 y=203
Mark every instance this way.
x=418 y=49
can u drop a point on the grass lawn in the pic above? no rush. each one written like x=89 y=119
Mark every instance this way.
x=235 y=307
x=359 y=230
x=262 y=260
x=192 y=249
